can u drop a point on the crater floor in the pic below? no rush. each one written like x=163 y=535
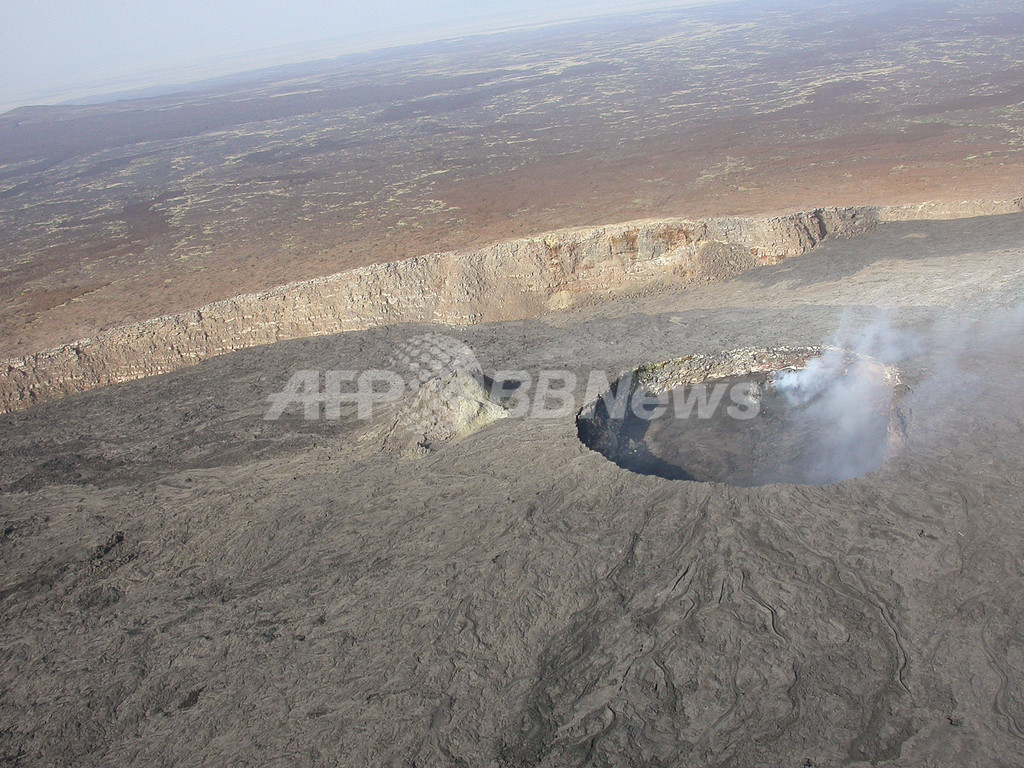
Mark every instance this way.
x=744 y=430
x=185 y=582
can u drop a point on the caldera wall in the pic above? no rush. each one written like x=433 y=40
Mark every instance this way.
x=506 y=281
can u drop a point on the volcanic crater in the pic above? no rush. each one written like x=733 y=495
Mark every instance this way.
x=751 y=417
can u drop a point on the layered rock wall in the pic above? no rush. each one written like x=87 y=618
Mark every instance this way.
x=506 y=281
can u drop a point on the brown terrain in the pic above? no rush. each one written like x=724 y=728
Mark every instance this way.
x=114 y=213
x=185 y=582
x=204 y=565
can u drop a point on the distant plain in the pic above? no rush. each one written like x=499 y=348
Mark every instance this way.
x=118 y=212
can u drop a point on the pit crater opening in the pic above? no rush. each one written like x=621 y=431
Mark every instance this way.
x=751 y=417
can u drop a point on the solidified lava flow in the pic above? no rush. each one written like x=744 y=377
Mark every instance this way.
x=821 y=421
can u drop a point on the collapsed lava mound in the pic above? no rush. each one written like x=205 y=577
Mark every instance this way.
x=751 y=417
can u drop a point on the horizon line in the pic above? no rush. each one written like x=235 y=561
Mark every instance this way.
x=248 y=65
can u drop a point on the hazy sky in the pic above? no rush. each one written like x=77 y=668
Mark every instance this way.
x=54 y=50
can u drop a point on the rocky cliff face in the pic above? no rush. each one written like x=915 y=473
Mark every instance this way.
x=506 y=281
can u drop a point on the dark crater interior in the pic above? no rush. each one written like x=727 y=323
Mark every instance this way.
x=800 y=419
